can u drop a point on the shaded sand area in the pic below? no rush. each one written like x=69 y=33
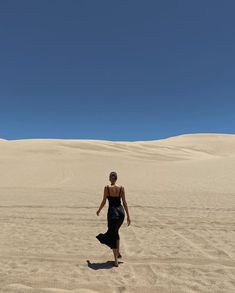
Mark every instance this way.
x=181 y=197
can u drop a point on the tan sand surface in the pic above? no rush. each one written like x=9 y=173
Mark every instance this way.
x=181 y=197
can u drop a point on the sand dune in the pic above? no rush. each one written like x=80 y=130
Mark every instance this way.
x=181 y=197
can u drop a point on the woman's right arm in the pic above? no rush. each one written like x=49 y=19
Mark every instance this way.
x=125 y=203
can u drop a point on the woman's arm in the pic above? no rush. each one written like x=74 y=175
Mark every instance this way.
x=103 y=201
x=124 y=202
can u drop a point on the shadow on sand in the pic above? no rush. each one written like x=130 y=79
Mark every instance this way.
x=102 y=265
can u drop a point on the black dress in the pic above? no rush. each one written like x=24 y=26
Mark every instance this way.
x=115 y=218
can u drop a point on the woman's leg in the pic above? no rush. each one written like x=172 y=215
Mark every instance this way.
x=115 y=253
x=115 y=236
x=118 y=237
x=115 y=228
x=118 y=245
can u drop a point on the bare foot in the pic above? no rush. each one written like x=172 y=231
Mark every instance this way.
x=119 y=255
x=116 y=263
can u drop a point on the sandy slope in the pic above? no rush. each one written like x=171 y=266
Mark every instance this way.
x=181 y=197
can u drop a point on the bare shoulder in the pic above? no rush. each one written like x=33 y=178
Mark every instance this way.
x=106 y=189
x=115 y=187
x=121 y=188
x=122 y=194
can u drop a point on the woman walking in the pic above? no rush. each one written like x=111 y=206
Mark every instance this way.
x=115 y=215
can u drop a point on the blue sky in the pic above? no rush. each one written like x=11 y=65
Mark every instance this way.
x=116 y=70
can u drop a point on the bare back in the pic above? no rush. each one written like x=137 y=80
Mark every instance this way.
x=116 y=191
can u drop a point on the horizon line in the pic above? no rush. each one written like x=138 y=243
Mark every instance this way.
x=97 y=139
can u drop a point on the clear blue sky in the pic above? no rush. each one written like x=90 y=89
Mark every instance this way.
x=116 y=70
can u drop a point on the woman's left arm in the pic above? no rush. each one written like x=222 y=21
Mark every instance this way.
x=103 y=201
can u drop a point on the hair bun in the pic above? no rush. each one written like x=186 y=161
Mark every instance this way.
x=113 y=173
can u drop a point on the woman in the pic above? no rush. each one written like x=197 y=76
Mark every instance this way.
x=115 y=215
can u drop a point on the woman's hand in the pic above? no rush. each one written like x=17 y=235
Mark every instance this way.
x=128 y=221
x=97 y=213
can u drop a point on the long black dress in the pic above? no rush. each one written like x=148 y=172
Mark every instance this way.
x=115 y=218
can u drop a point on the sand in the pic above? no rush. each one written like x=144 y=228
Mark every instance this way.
x=181 y=197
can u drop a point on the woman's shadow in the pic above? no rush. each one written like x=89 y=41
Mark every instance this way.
x=101 y=265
